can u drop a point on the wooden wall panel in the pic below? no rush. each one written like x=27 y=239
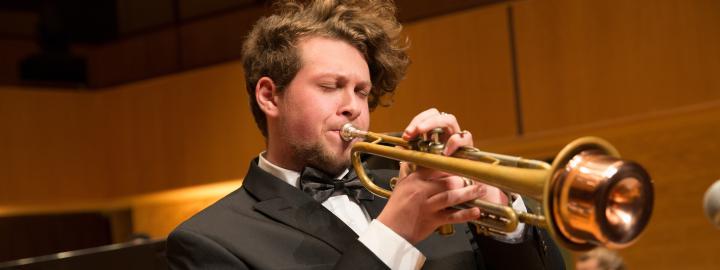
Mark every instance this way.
x=460 y=65
x=50 y=146
x=586 y=61
x=189 y=128
x=185 y=129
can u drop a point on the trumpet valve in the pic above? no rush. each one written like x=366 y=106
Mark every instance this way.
x=446 y=230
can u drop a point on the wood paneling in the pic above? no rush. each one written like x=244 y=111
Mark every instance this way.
x=680 y=149
x=460 y=65
x=51 y=146
x=190 y=128
x=586 y=61
x=185 y=129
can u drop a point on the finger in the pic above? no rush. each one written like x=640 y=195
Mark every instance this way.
x=404 y=169
x=403 y=174
x=409 y=130
x=454 y=216
x=441 y=181
x=455 y=197
x=454 y=182
x=417 y=189
x=457 y=140
x=494 y=195
x=447 y=122
x=448 y=181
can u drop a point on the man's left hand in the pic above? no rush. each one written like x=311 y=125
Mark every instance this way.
x=454 y=139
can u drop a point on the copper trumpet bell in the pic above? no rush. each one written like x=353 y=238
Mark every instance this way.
x=590 y=196
x=597 y=198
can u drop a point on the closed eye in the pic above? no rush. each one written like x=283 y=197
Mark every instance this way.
x=363 y=92
x=329 y=86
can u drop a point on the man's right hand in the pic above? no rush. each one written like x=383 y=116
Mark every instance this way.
x=421 y=203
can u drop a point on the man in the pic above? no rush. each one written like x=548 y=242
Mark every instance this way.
x=600 y=259
x=312 y=68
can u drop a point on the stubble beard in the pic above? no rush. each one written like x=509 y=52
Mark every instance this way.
x=319 y=157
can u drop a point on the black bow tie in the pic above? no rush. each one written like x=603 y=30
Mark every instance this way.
x=320 y=186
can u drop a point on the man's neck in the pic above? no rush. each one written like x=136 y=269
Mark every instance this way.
x=280 y=157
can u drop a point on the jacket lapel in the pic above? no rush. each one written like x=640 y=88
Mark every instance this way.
x=292 y=207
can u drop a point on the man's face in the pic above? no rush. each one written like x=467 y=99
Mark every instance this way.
x=589 y=264
x=330 y=89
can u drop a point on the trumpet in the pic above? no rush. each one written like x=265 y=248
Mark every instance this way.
x=590 y=197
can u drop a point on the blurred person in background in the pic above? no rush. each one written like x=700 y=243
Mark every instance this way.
x=600 y=259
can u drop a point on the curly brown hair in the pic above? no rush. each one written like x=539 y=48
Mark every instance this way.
x=368 y=25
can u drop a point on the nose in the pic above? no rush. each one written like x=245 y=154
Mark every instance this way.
x=351 y=104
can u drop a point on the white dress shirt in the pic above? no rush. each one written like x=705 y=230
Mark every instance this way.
x=388 y=246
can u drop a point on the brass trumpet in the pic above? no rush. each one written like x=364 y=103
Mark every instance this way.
x=590 y=196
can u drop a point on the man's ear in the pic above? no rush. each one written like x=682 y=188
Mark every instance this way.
x=265 y=95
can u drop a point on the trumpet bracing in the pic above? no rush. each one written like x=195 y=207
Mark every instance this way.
x=590 y=196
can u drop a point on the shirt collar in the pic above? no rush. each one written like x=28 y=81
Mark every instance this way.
x=288 y=176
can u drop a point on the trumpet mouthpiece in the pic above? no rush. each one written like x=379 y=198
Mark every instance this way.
x=350 y=132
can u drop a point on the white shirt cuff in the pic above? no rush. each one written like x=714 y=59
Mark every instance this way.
x=391 y=248
x=517 y=235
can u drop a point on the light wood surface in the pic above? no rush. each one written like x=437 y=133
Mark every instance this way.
x=180 y=130
x=586 y=61
x=51 y=149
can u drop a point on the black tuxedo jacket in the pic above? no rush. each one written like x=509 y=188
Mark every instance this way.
x=268 y=224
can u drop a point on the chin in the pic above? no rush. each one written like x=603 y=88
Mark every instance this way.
x=341 y=155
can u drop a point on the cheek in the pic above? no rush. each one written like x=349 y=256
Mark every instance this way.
x=308 y=123
x=364 y=118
